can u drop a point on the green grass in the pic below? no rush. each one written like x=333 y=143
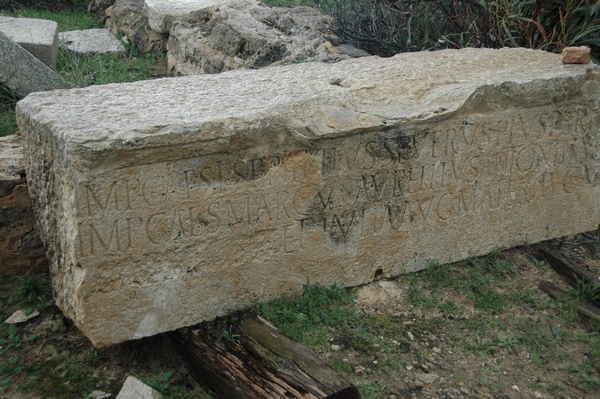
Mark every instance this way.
x=486 y=290
x=67 y=20
x=81 y=70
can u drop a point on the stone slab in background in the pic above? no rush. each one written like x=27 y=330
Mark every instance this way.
x=250 y=35
x=21 y=249
x=38 y=36
x=22 y=73
x=91 y=41
x=162 y=13
x=246 y=185
x=128 y=19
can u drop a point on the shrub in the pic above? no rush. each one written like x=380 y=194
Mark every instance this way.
x=387 y=27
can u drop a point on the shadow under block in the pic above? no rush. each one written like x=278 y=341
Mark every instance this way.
x=168 y=202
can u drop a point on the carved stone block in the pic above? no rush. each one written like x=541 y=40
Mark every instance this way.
x=172 y=201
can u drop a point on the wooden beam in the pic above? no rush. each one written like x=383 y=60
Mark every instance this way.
x=573 y=274
x=253 y=360
x=584 y=308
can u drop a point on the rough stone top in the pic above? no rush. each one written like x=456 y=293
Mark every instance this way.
x=29 y=30
x=161 y=13
x=310 y=100
x=91 y=41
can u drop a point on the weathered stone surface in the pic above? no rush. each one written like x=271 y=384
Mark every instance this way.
x=162 y=13
x=127 y=18
x=98 y=7
x=21 y=249
x=136 y=389
x=576 y=55
x=248 y=34
x=248 y=184
x=22 y=73
x=91 y=41
x=38 y=36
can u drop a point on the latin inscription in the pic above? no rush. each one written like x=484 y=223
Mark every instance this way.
x=348 y=188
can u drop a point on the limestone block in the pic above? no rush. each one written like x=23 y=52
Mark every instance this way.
x=91 y=41
x=576 y=55
x=248 y=184
x=127 y=18
x=38 y=36
x=22 y=73
x=248 y=34
x=21 y=250
x=162 y=13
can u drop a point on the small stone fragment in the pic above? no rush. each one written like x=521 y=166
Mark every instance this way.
x=99 y=395
x=576 y=55
x=335 y=348
x=410 y=335
x=427 y=378
x=516 y=388
x=20 y=317
x=136 y=389
x=538 y=395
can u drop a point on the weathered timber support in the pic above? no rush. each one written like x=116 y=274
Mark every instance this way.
x=256 y=361
x=584 y=308
x=573 y=274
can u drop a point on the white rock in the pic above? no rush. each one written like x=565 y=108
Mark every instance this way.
x=20 y=317
x=38 y=36
x=22 y=72
x=99 y=395
x=136 y=389
x=91 y=41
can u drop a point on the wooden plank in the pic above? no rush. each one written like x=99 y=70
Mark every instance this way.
x=258 y=362
x=584 y=308
x=574 y=274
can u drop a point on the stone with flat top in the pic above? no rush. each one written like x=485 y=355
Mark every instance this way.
x=168 y=202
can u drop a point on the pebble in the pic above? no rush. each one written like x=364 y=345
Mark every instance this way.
x=538 y=394
x=427 y=378
x=412 y=337
x=99 y=395
x=335 y=348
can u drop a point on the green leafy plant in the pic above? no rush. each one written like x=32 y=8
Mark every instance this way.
x=541 y=263
x=387 y=27
x=10 y=339
x=510 y=342
x=230 y=336
x=585 y=291
x=160 y=383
